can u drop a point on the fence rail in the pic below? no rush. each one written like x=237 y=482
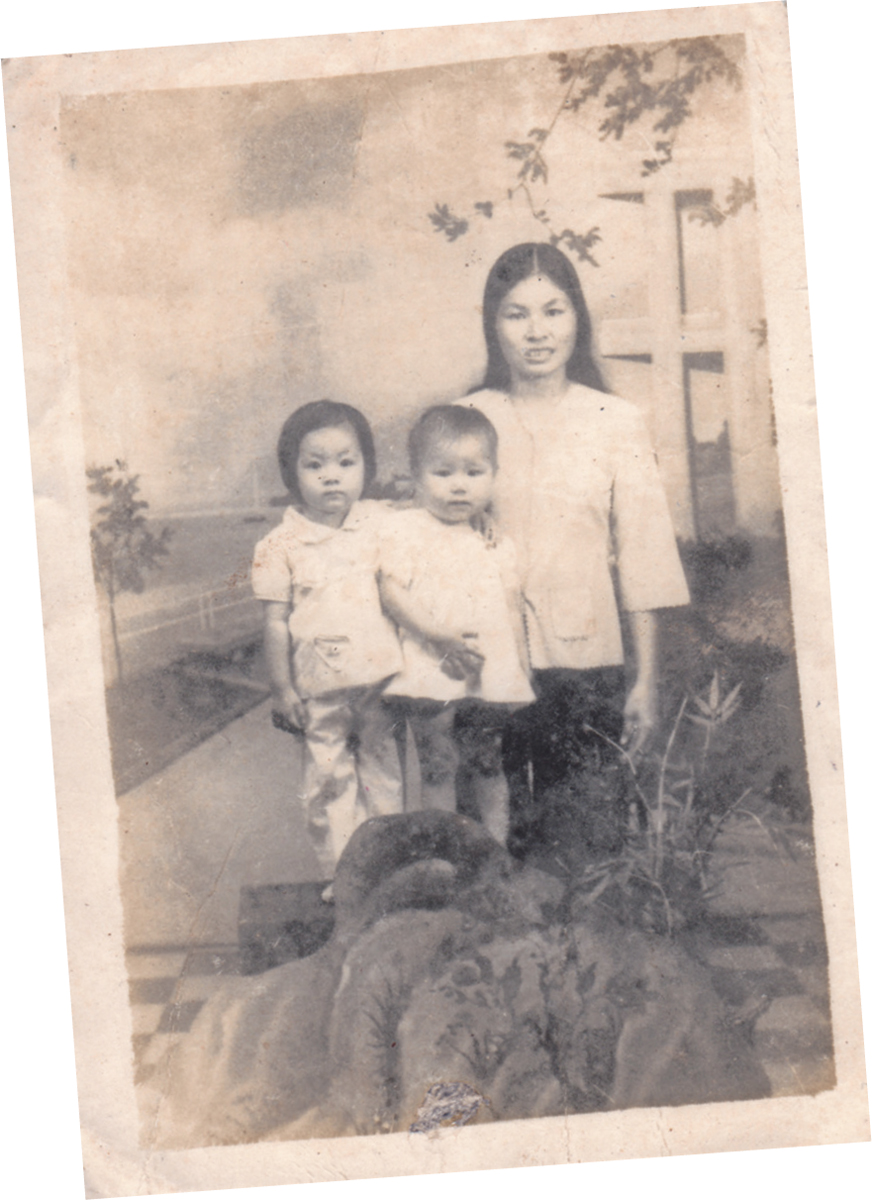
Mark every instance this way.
x=212 y=620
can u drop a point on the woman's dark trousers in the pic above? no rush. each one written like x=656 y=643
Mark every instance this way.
x=567 y=782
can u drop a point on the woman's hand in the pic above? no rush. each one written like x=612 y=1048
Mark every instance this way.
x=640 y=716
x=640 y=708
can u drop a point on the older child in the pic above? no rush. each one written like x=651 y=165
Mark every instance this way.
x=453 y=593
x=328 y=645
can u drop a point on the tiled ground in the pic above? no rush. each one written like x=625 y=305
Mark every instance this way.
x=776 y=968
x=168 y=987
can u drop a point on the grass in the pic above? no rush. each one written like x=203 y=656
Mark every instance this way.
x=157 y=717
x=731 y=751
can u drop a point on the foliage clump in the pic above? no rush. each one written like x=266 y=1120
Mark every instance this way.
x=661 y=879
x=659 y=81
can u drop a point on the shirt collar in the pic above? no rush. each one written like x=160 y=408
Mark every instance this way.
x=310 y=533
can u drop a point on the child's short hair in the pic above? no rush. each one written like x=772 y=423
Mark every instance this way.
x=448 y=423
x=323 y=414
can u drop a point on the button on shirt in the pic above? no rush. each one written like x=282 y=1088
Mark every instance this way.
x=339 y=635
x=578 y=491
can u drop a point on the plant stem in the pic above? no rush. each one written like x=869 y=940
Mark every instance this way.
x=661 y=791
x=114 y=625
x=538 y=153
x=667 y=907
x=725 y=817
x=746 y=812
x=705 y=747
x=627 y=759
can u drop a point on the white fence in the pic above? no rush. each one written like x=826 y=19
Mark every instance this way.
x=162 y=625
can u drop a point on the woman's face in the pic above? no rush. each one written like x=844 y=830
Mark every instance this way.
x=536 y=327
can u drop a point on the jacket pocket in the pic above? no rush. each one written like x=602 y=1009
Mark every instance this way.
x=571 y=612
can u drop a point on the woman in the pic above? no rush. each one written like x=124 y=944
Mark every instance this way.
x=580 y=494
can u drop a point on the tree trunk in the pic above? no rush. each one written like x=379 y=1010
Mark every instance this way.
x=115 y=642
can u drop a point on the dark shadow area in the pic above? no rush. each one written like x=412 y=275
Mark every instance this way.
x=281 y=922
x=739 y=625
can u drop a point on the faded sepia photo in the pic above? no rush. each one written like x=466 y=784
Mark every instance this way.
x=432 y=489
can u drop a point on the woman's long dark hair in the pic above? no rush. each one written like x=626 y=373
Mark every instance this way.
x=517 y=264
x=323 y=414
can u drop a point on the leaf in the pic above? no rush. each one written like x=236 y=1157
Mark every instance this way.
x=714 y=692
x=740 y=194
x=520 y=150
x=447 y=222
x=580 y=244
x=731 y=703
x=702 y=706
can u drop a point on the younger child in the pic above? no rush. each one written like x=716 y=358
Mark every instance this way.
x=453 y=593
x=329 y=647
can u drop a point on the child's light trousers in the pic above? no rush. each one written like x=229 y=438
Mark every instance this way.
x=352 y=769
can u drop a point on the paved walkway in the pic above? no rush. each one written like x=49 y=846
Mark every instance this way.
x=221 y=817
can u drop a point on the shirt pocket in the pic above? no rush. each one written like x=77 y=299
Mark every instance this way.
x=333 y=651
x=571 y=612
x=321 y=663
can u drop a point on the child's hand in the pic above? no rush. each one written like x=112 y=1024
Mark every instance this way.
x=289 y=712
x=484 y=524
x=460 y=657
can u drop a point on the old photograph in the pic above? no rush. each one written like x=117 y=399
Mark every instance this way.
x=428 y=535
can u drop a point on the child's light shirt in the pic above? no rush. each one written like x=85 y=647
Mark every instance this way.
x=340 y=637
x=466 y=584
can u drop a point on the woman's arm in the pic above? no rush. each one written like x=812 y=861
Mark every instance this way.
x=277 y=649
x=450 y=643
x=649 y=567
x=640 y=708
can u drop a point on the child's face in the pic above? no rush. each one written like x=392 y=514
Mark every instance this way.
x=456 y=479
x=330 y=473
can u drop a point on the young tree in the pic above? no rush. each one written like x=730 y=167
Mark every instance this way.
x=123 y=548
